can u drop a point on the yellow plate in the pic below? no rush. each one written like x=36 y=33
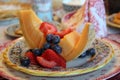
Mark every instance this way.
x=104 y=50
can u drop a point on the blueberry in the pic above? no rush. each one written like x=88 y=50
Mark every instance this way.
x=25 y=61
x=37 y=51
x=91 y=52
x=56 y=39
x=56 y=48
x=83 y=55
x=49 y=37
x=46 y=46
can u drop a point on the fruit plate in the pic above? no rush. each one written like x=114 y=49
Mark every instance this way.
x=104 y=55
x=110 y=21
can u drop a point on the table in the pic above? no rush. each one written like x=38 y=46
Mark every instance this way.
x=4 y=40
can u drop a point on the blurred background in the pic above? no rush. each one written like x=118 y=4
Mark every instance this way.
x=112 y=6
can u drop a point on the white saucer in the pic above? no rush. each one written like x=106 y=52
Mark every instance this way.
x=10 y=31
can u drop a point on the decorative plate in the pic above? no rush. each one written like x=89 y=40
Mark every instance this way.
x=12 y=31
x=110 y=21
x=104 y=55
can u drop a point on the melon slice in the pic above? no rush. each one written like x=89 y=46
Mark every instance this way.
x=68 y=42
x=29 y=25
x=86 y=38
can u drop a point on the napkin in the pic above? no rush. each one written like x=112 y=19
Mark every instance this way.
x=92 y=11
x=97 y=16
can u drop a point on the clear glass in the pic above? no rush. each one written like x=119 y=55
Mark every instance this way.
x=43 y=9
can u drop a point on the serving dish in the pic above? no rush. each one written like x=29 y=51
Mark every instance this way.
x=105 y=54
x=110 y=21
x=11 y=31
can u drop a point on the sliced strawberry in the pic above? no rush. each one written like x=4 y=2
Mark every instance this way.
x=31 y=56
x=45 y=63
x=50 y=55
x=48 y=28
x=64 y=32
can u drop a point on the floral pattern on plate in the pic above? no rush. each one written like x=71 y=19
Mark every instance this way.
x=92 y=64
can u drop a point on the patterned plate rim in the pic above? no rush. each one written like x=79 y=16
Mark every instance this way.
x=55 y=73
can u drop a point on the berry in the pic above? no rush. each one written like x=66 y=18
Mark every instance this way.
x=56 y=48
x=51 y=55
x=46 y=46
x=64 y=32
x=56 y=39
x=37 y=52
x=31 y=56
x=47 y=28
x=25 y=61
x=49 y=38
x=83 y=55
x=45 y=63
x=91 y=52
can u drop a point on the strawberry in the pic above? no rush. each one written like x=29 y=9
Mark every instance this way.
x=31 y=56
x=50 y=55
x=45 y=63
x=64 y=32
x=47 y=28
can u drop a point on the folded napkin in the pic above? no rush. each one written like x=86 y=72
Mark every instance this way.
x=92 y=11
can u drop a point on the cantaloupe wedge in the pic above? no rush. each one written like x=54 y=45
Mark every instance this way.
x=86 y=38
x=68 y=42
x=73 y=44
x=29 y=24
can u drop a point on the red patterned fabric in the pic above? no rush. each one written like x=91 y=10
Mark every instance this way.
x=97 y=16
x=94 y=12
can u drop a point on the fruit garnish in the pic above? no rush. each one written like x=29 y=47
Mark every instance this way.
x=56 y=39
x=31 y=56
x=47 y=28
x=46 y=46
x=64 y=32
x=52 y=43
x=25 y=61
x=51 y=55
x=57 y=48
x=90 y=52
x=45 y=63
x=83 y=55
x=37 y=51
x=49 y=38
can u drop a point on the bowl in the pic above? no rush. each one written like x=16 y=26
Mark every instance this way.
x=69 y=5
